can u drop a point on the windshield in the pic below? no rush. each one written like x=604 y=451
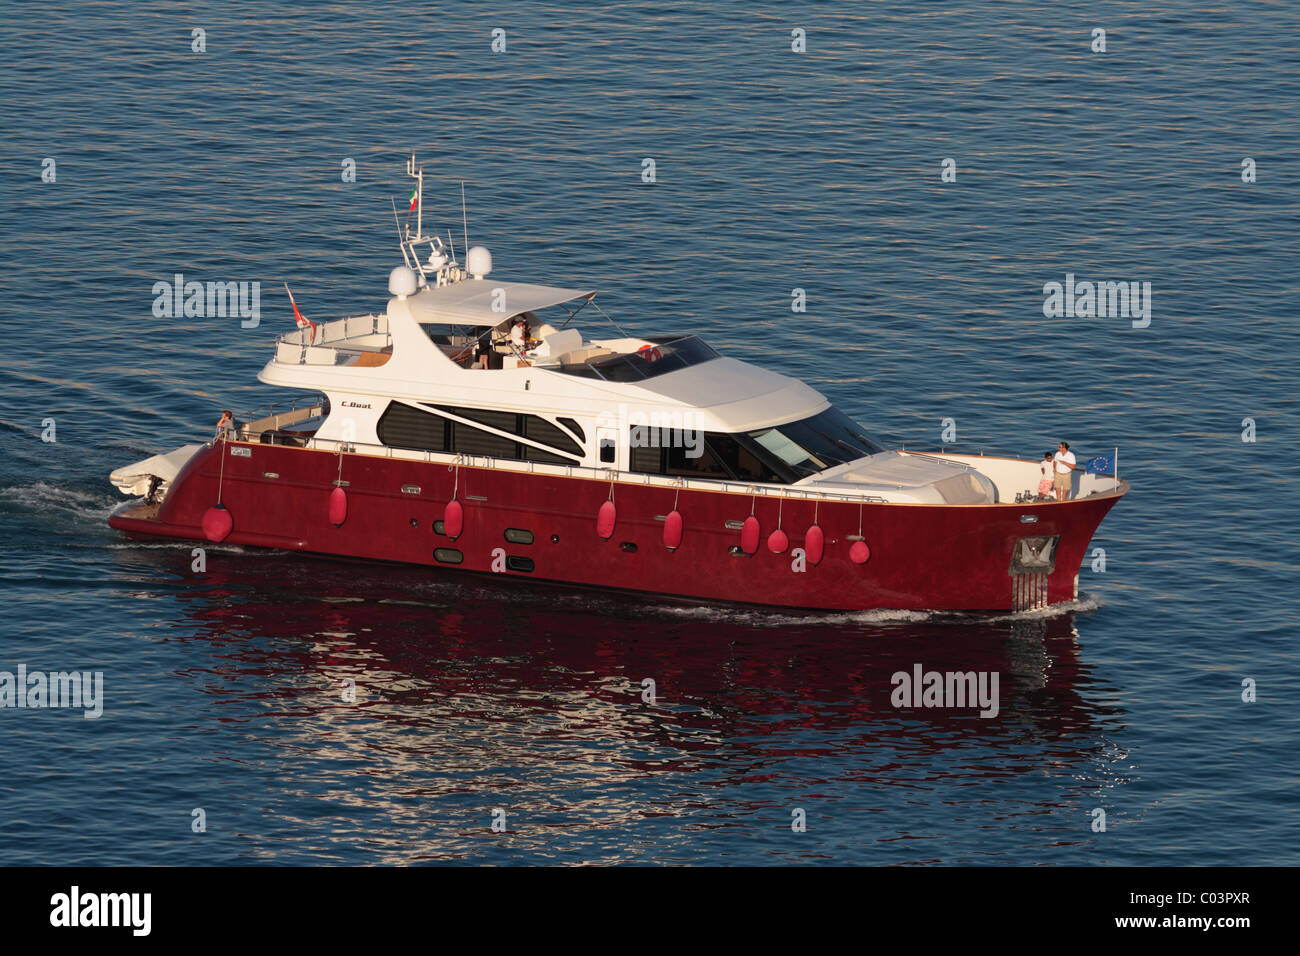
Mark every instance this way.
x=814 y=444
x=666 y=355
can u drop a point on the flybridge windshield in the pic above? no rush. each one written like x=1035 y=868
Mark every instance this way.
x=666 y=355
x=815 y=444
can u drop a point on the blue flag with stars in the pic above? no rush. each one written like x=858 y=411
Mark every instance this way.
x=1101 y=465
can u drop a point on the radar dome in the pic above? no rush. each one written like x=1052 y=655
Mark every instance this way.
x=478 y=262
x=401 y=282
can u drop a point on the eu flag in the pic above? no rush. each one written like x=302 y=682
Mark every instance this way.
x=1101 y=465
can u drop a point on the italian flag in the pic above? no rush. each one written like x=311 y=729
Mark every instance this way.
x=414 y=196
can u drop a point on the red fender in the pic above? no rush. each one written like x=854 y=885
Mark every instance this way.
x=338 y=508
x=218 y=523
x=453 y=519
x=673 y=530
x=814 y=544
x=778 y=541
x=605 y=519
x=859 y=553
x=749 y=535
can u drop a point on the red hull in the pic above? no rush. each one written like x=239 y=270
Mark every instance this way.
x=922 y=556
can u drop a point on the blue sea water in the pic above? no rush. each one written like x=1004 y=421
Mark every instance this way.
x=774 y=170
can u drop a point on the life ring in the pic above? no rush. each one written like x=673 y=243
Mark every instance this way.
x=650 y=353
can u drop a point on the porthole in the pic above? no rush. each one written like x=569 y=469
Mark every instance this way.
x=516 y=563
x=519 y=536
x=438 y=527
x=451 y=556
x=629 y=547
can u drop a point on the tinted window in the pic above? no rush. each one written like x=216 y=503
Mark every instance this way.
x=647 y=459
x=529 y=453
x=722 y=456
x=402 y=426
x=474 y=441
x=532 y=427
x=574 y=427
x=668 y=355
x=540 y=430
x=806 y=447
x=621 y=368
x=678 y=460
x=504 y=421
x=742 y=460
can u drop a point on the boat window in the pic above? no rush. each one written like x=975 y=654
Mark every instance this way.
x=781 y=455
x=402 y=426
x=698 y=462
x=475 y=441
x=574 y=427
x=666 y=355
x=814 y=444
x=785 y=448
x=719 y=456
x=515 y=562
x=519 y=536
x=540 y=430
x=529 y=453
x=742 y=460
x=502 y=421
x=448 y=555
x=647 y=459
x=532 y=427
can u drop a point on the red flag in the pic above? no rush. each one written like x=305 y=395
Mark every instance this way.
x=302 y=323
x=414 y=195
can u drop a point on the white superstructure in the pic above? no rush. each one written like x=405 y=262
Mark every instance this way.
x=439 y=373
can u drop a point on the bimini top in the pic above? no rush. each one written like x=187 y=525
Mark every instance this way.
x=486 y=302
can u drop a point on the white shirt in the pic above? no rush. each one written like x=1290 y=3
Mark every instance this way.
x=517 y=336
x=1045 y=469
x=1063 y=462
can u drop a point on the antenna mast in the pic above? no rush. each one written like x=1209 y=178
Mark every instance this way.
x=401 y=241
x=439 y=270
x=464 y=220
